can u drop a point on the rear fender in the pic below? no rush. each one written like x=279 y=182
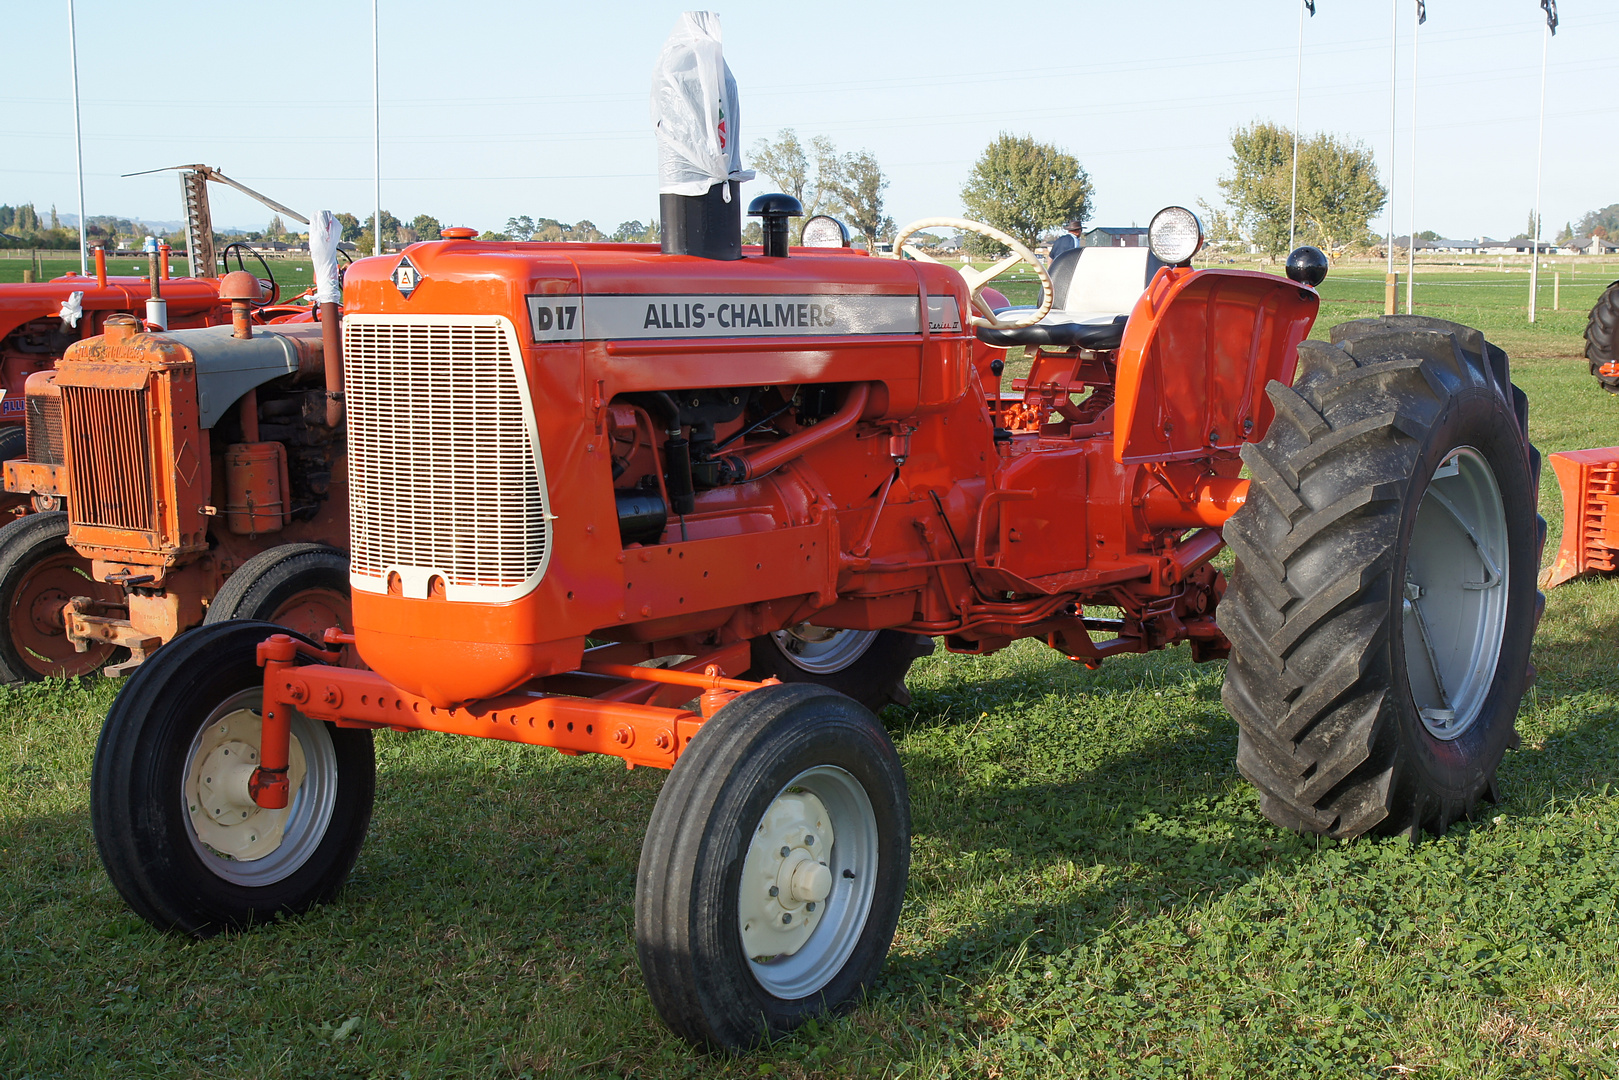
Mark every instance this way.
x=1198 y=352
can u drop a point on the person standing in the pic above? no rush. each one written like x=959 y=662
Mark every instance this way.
x=1073 y=238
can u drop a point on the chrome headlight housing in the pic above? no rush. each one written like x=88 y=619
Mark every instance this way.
x=1175 y=235
x=823 y=230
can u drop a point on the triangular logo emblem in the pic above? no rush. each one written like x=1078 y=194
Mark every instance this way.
x=406 y=277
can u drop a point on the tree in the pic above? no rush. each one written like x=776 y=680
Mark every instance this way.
x=1566 y=234
x=351 y=227
x=1429 y=235
x=1338 y=191
x=1599 y=233
x=585 y=232
x=1023 y=187
x=628 y=232
x=858 y=190
x=520 y=228
x=807 y=175
x=426 y=227
x=276 y=229
x=1606 y=219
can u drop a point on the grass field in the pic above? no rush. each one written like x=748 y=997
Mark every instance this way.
x=1094 y=892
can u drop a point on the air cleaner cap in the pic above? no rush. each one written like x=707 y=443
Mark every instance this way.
x=458 y=232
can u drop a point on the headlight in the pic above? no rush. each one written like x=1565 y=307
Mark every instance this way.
x=824 y=231
x=1175 y=235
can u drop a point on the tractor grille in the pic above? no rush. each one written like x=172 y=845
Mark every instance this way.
x=110 y=481
x=44 y=424
x=445 y=476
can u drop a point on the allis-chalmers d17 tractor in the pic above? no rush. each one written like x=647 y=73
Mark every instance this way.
x=159 y=465
x=696 y=509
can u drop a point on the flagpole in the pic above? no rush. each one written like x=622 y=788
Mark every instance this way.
x=376 y=137
x=1540 y=154
x=78 y=141
x=1411 y=196
x=1394 y=76
x=1298 y=89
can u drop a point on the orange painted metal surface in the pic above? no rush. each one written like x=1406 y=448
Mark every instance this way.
x=870 y=479
x=256 y=487
x=1198 y=352
x=1590 y=483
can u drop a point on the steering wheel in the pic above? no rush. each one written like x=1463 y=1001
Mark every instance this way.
x=977 y=279
x=238 y=248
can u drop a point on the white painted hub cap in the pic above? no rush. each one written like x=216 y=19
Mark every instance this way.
x=222 y=811
x=785 y=880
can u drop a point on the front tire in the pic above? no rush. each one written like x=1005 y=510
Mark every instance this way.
x=1383 y=601
x=867 y=665
x=39 y=574
x=774 y=867
x=181 y=840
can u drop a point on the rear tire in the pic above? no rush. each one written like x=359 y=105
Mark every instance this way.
x=1602 y=336
x=1383 y=601
x=181 y=842
x=867 y=665
x=304 y=587
x=39 y=574
x=795 y=786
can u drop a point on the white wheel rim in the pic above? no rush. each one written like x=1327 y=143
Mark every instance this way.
x=822 y=650
x=237 y=840
x=814 y=945
x=1454 y=597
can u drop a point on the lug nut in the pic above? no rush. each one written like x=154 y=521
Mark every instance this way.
x=808 y=841
x=786 y=917
x=785 y=851
x=775 y=891
x=810 y=906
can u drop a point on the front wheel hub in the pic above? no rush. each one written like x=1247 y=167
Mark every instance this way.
x=785 y=878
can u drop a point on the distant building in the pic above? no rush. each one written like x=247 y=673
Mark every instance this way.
x=1116 y=237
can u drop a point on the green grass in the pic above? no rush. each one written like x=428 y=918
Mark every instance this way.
x=1094 y=892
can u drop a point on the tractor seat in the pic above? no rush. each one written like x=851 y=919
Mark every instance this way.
x=1093 y=290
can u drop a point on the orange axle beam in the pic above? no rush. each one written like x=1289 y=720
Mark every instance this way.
x=641 y=734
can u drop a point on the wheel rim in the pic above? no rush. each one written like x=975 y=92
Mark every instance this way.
x=822 y=650
x=236 y=839
x=35 y=620
x=311 y=612
x=1454 y=597
x=794 y=951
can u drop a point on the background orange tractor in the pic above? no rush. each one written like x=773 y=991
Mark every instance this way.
x=159 y=465
x=1590 y=478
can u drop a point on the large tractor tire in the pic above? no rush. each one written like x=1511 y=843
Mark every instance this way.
x=1383 y=601
x=39 y=574
x=181 y=839
x=1602 y=337
x=774 y=867
x=867 y=665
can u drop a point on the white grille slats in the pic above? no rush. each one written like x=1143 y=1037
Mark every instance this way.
x=445 y=473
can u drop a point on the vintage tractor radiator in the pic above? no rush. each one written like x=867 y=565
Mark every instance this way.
x=135 y=456
x=447 y=488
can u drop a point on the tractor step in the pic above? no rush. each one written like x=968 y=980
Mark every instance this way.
x=1590 y=482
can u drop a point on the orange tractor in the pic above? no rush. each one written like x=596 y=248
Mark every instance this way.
x=174 y=475
x=1590 y=478
x=699 y=508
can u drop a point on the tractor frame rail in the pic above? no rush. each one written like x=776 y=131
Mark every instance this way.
x=635 y=712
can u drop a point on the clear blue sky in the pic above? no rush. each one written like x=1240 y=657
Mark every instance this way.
x=492 y=108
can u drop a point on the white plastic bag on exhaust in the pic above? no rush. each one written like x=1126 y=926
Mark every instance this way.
x=694 y=107
x=324 y=233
